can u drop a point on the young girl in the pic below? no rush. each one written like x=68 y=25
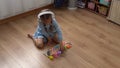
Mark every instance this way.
x=47 y=31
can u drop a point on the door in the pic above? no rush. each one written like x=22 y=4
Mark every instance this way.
x=114 y=14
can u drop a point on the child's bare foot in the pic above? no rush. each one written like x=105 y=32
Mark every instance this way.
x=40 y=46
x=30 y=36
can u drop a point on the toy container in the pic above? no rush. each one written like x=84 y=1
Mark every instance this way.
x=105 y=2
x=91 y=5
x=102 y=10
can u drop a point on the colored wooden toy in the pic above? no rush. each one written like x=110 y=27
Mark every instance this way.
x=55 y=52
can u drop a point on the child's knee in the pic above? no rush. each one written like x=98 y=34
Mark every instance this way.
x=39 y=44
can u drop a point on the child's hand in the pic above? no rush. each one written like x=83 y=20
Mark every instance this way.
x=62 y=47
x=48 y=44
x=49 y=41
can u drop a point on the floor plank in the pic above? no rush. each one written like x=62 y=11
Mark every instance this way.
x=96 y=42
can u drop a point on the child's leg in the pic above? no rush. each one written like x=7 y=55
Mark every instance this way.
x=37 y=42
x=56 y=40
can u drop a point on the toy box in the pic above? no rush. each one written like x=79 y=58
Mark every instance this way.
x=105 y=2
x=91 y=5
x=102 y=10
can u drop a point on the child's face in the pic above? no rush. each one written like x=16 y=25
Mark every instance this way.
x=46 y=19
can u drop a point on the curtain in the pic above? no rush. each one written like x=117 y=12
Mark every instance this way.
x=13 y=7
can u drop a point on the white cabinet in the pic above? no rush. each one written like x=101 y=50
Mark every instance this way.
x=33 y=4
x=28 y=5
x=114 y=14
x=40 y=3
x=13 y=7
x=10 y=8
x=3 y=9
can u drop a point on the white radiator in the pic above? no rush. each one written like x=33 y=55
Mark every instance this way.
x=114 y=14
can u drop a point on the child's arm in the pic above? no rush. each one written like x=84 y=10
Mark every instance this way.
x=43 y=31
x=38 y=33
x=59 y=32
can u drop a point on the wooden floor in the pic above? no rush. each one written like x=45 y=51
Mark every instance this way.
x=96 y=42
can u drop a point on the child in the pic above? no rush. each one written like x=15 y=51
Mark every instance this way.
x=47 y=31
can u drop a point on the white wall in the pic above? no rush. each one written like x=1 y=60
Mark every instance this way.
x=13 y=7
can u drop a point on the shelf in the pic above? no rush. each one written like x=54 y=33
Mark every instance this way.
x=96 y=12
x=99 y=8
x=103 y=5
x=96 y=2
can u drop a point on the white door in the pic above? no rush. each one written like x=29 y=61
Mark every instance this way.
x=114 y=14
